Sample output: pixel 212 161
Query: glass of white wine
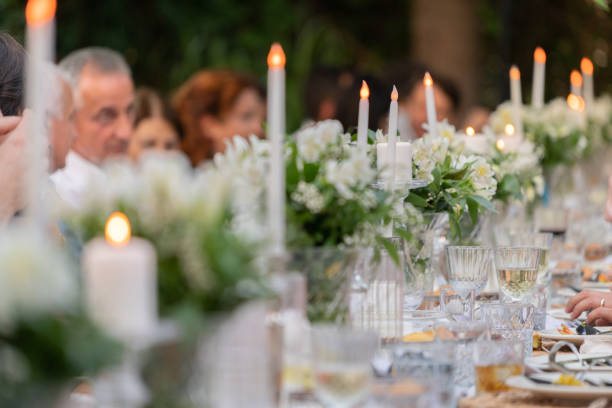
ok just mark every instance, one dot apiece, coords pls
pixel 342 364
pixel 517 270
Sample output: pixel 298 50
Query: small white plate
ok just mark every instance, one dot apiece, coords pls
pixel 586 392
pixel 601 286
pixel 576 339
pixel 541 362
pixel 561 314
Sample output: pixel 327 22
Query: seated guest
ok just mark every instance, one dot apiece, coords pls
pixel 409 80
pixel 13 132
pixel 153 130
pixel 103 92
pixel 323 91
pixel 214 106
pixel 12 68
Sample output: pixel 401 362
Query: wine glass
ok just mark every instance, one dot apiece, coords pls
pixel 517 270
pixel 468 270
pixel 342 364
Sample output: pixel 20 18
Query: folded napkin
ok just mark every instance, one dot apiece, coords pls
pixel 597 344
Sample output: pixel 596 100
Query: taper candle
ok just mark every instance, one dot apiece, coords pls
pixel 537 87
pixel 517 100
pixel 362 122
pixel 430 103
pixel 586 66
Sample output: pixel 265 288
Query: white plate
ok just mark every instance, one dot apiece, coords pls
pixel 576 339
pixel 562 391
pixel 561 314
pixel 541 362
pixel 601 286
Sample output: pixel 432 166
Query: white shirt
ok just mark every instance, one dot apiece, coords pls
pixel 72 182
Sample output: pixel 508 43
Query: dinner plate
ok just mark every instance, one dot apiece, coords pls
pixel 576 339
pixel 601 286
pixel 561 314
pixel 541 362
pixel 585 392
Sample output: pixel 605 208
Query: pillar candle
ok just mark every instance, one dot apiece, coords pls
pixel 517 100
pixel 276 135
pixel 40 43
pixel 586 66
pixel 403 160
pixel 539 68
pixel 430 104
pixel 362 122
pixel 120 282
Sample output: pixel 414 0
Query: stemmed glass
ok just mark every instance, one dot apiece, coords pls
pixel 468 270
pixel 517 270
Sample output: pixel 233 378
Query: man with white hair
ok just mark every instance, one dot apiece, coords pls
pixel 103 92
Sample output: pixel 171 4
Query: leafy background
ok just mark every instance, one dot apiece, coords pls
pixel 165 41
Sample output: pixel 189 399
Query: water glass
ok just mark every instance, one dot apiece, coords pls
pixel 496 361
pixel 468 271
pixel 517 270
pixel 341 363
pixel 510 321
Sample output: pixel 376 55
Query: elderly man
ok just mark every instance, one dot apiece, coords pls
pixel 103 91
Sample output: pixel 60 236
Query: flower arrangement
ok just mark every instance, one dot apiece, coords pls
pixel 459 184
pixel 46 339
pixel 202 263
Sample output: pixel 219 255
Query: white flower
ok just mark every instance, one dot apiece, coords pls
pixel 501 117
pixel 309 195
pixel 313 141
pixel 482 177
pixel 36 278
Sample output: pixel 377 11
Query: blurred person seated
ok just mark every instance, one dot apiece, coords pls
pixel 103 91
pixel 408 77
pixel 476 117
pixel 323 91
pixel 13 131
pixel 348 106
pixel 153 129
pixel 213 107
pixel 12 68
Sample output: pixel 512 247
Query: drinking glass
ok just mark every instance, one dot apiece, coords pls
pixel 496 361
pixel 341 362
pixel 468 270
pixel 517 270
pixel 510 321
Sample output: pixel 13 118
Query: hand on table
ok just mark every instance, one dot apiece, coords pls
pixel 591 300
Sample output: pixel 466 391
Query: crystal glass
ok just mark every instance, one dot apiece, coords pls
pixel 517 270
pixel 510 321
pixel 496 361
pixel 468 271
pixel 464 334
pixel 341 363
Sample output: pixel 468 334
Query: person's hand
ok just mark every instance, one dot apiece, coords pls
pixel 602 316
pixel 13 164
pixel 588 300
pixel 609 202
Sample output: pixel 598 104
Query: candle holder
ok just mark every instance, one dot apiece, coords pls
pixel 400 186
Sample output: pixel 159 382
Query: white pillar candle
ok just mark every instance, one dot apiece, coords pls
pixel 40 43
pixel 517 100
pixel 276 135
pixel 430 104
pixel 537 88
pixel 403 160
pixel 362 122
pixel 393 109
pixel 120 283
pixel 475 143
pixel 586 66
pixel 576 83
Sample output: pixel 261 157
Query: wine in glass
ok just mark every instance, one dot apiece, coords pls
pixel 468 270
pixel 517 270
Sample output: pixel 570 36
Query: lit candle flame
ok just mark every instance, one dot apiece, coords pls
pixel 39 12
pixel 364 93
pixel 509 129
pixel 470 131
pixel 576 78
pixel 575 102
pixel 539 55
pixel 515 74
pixel 394 94
pixel 276 57
pixel 427 81
pixel 586 66
pixel 118 230
pixel 500 144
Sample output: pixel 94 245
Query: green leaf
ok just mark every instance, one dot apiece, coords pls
pixel 310 172
pixel 416 200
pixel 483 202
pixel 390 248
pixel 473 209
pixel 603 4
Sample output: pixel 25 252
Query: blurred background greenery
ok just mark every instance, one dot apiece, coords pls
pixel 165 41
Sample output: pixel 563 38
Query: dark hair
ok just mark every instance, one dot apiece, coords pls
pixel 325 83
pixel 12 68
pixel 407 74
pixel 348 106
pixel 148 103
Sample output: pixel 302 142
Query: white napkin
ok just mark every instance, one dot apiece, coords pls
pixel 597 344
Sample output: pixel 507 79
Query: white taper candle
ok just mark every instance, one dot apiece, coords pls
pixel 539 73
pixel 362 122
